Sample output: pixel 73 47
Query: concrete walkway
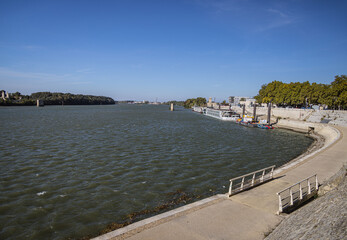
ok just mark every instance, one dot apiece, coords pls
pixel 247 215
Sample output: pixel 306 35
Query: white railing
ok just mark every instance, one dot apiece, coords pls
pixel 297 193
pixel 250 180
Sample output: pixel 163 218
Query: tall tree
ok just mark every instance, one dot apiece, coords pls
pixel 338 91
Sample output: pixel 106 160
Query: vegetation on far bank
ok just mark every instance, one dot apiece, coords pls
pixel 17 99
pixel 194 102
pixel 296 94
pixel 176 103
pixel 333 95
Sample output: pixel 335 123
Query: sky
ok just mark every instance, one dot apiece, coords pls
pixel 169 49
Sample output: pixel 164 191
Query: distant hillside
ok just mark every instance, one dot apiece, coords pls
pixel 17 99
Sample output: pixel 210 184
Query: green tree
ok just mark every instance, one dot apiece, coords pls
pixel 339 91
pixel 305 93
pixel 317 93
pixel 200 101
pixel 298 94
pixel 261 94
pixel 270 93
pixel 195 102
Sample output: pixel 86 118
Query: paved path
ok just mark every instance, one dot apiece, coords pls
pixel 247 215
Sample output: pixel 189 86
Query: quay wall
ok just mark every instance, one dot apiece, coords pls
pixel 292 113
pixel 329 133
pixel 332 117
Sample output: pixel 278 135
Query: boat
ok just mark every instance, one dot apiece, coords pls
pixel 248 124
pixel 251 121
pixel 248 121
pixel 198 109
pixel 222 115
pixel 265 126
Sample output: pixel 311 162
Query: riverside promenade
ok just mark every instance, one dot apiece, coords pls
pixel 250 214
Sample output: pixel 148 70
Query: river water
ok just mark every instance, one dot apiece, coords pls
pixel 68 171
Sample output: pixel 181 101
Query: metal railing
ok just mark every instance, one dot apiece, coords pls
pixel 250 180
pixel 297 193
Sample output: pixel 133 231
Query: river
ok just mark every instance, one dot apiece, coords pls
pixel 69 171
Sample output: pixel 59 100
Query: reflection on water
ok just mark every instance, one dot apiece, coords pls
pixel 69 171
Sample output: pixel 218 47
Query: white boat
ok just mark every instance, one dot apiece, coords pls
pixel 222 114
pixel 198 109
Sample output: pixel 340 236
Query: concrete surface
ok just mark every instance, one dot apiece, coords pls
pixel 247 215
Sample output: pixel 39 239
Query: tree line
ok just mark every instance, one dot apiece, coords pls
pixel 176 103
pixel 200 101
pixel 333 95
pixel 55 99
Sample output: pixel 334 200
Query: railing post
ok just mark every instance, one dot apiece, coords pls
pixel 291 196
pixel 279 204
pixel 272 173
pixel 300 191
pixel 262 177
pixel 253 179
pixel 309 186
pixel 230 187
pixel 316 183
pixel 243 180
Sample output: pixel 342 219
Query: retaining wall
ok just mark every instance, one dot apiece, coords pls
pixel 332 117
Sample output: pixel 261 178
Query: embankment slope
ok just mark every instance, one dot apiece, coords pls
pixel 323 218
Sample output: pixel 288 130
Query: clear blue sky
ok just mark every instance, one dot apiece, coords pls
pixel 177 49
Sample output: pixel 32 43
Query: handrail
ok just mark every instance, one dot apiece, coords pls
pixel 298 195
pixel 252 173
pixel 315 175
pixel 265 175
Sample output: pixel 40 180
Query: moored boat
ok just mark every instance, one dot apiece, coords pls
pixel 264 126
pixel 222 115
pixel 247 121
pixel 198 109
pixel 248 124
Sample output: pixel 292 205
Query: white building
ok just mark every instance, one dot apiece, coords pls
pixel 236 100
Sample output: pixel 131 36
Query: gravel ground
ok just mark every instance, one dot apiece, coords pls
pixel 324 218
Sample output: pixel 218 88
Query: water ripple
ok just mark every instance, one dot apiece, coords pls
pixel 67 172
